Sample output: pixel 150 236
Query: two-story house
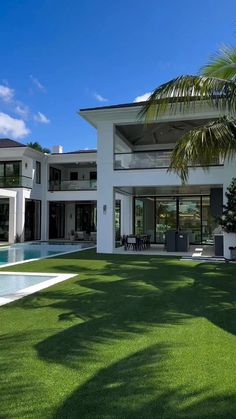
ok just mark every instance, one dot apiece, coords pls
pixel 133 160
pixel 124 187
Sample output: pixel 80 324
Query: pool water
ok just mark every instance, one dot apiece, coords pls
pixel 9 284
pixel 20 252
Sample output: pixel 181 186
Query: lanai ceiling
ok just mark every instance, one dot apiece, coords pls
pixel 158 133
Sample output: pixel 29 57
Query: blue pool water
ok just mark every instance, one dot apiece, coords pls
pixel 20 252
pixel 9 284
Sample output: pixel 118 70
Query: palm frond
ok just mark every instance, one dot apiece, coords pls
pixel 222 64
pixel 204 145
pixel 182 93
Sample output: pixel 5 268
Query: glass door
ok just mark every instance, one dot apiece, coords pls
pixel 4 219
pixel 144 216
pixel 56 220
pixel 165 217
pixel 86 217
pixel 32 219
pixel 189 215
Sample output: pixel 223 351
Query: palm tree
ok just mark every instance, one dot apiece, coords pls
pixel 215 86
pixel 36 146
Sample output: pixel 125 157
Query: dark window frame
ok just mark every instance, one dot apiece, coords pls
pixel 74 176
pixel 38 172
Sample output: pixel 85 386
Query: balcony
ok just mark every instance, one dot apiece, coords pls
pixel 15 182
pixel 145 160
pixel 72 185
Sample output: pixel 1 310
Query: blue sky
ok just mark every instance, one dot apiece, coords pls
pixel 58 56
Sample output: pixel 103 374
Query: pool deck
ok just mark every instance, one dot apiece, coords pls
pixel 195 252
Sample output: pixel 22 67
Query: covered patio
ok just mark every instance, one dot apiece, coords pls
pixel 194 252
pixel 189 212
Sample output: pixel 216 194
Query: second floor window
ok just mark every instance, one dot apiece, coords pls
pixel 38 172
pixel 10 169
pixel 73 175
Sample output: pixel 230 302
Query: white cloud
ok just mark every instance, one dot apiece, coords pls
pixel 22 110
pixel 40 117
pixel 37 83
pixel 100 98
pixel 143 97
pixel 12 127
pixel 6 93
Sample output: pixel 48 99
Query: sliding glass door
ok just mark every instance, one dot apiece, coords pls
pixel 56 220
pixel 165 217
pixel 189 217
pixel 32 219
pixel 144 216
pixel 4 219
pixel 190 214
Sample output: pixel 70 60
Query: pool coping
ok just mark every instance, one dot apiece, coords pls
pixel 56 279
pixel 5 265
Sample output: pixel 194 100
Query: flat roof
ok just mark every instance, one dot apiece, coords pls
pixel 122 105
pixel 174 99
pixel 75 152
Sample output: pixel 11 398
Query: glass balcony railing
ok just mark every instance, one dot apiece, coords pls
pixel 16 182
pixel 72 185
pixel 145 160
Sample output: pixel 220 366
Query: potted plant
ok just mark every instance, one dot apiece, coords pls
pixel 228 221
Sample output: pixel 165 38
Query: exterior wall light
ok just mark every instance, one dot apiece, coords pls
pixel 104 209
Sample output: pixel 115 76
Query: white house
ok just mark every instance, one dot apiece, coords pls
pixel 132 161
pixel 122 188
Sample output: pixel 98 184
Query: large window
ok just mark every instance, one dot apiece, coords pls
pixel 32 219
pixel 4 219
pixel 56 220
pixel 156 215
pixel 86 217
pixel 10 168
pixel 38 172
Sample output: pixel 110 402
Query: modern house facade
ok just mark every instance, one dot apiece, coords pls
pixel 133 160
pixel 121 188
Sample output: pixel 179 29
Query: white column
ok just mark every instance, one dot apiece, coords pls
pixel 20 211
pixel 12 220
pixel 126 215
pixel 105 190
pixel 45 204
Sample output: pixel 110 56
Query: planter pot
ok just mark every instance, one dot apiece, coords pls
pixel 229 241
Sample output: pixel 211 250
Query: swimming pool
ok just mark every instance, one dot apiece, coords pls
pixel 27 251
pixel 16 285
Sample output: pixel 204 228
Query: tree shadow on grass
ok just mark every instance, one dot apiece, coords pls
pixel 117 306
pixel 117 300
pixel 19 392
pixel 141 386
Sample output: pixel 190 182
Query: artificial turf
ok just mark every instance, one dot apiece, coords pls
pixel 129 337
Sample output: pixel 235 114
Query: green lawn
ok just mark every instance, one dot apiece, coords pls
pixel 129 337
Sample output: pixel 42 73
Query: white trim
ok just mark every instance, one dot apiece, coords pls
pixel 44 257
pixel 57 278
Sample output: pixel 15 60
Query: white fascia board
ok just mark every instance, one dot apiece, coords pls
pixel 72 158
pixel 72 196
pixel 130 115
pixel 34 154
pixel 116 115
pixel 19 152
pixel 13 153
pixel 6 193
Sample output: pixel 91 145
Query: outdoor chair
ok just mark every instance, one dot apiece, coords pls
pixel 131 243
pixel 80 235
